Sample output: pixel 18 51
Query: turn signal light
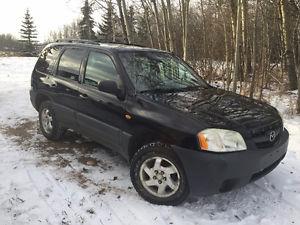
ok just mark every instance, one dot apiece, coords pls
pixel 203 141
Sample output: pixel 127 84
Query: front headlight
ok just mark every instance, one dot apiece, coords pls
pixel 219 140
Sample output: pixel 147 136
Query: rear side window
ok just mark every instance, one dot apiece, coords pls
pixel 70 62
pixel 47 59
pixel 100 67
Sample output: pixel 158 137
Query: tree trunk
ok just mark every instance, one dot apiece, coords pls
pixel 128 30
pixel 170 25
pixel 298 100
pixel 237 54
pixel 246 56
pixel 166 28
pixel 233 6
pixel 287 36
pixel 204 56
pixel 297 60
pixel 184 20
pixel 146 13
pixel 252 89
pixel 281 44
pixel 159 34
pixel 226 42
pixel 122 22
pixel 113 21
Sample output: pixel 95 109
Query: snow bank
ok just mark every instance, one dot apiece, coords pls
pixel 50 183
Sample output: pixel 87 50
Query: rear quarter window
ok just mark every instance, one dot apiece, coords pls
pixel 47 59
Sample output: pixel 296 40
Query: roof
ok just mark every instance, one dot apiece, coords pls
pixel 112 47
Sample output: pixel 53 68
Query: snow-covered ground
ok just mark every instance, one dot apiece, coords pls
pixel 78 182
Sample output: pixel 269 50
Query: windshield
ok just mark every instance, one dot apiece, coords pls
pixel 158 71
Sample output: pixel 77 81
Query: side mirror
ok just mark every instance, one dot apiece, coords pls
pixel 110 87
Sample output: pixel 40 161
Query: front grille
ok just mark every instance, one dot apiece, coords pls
pixel 267 144
pixel 262 135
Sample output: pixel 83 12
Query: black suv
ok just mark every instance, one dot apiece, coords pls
pixel 179 134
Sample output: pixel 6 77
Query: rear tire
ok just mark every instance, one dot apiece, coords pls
pixel 49 124
pixel 158 175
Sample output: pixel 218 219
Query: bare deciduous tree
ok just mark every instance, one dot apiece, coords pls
pixel 170 26
pixel 287 27
pixel 158 25
pixel 237 54
pixel 185 4
pixel 252 88
pixel 122 19
pixel 255 43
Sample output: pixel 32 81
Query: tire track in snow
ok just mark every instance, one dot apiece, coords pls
pixel 71 213
pixel 278 195
pixel 34 184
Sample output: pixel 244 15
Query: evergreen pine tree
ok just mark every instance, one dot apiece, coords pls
pixel 28 31
pixel 87 23
pixel 107 33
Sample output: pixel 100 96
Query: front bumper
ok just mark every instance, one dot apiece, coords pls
pixel 211 173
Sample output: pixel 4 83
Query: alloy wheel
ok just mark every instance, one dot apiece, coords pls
pixel 160 177
pixel 47 120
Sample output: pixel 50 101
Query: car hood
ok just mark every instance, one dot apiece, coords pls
pixel 219 108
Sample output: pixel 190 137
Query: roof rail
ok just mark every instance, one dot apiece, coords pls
pixel 84 41
pixel 121 43
pixel 81 41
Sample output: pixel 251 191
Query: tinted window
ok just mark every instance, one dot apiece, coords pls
pixel 99 67
pixel 47 59
pixel 70 62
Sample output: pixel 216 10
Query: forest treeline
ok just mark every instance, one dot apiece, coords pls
pixel 249 45
pixel 8 41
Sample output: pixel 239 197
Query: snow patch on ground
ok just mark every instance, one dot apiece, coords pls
pixel 45 182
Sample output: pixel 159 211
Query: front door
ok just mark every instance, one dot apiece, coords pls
pixel 100 115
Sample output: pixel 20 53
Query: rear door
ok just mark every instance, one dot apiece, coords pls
pixel 100 115
pixel 66 86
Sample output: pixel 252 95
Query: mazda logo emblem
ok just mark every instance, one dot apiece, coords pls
pixel 272 136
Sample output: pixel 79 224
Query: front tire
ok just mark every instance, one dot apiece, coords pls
pixel 49 124
pixel 158 175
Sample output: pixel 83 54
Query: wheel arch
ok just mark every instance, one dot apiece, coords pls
pixel 39 99
pixel 147 137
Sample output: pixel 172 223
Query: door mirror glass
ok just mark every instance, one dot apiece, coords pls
pixel 109 86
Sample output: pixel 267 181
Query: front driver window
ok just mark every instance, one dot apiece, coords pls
pixel 99 67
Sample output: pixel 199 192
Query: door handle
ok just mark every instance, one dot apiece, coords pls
pixel 83 96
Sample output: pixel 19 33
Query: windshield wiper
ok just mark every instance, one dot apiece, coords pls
pixel 159 90
pixel 172 90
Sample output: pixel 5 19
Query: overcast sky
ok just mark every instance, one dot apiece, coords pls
pixel 48 15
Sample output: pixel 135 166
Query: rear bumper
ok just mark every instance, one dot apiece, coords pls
pixel 211 173
pixel 33 98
